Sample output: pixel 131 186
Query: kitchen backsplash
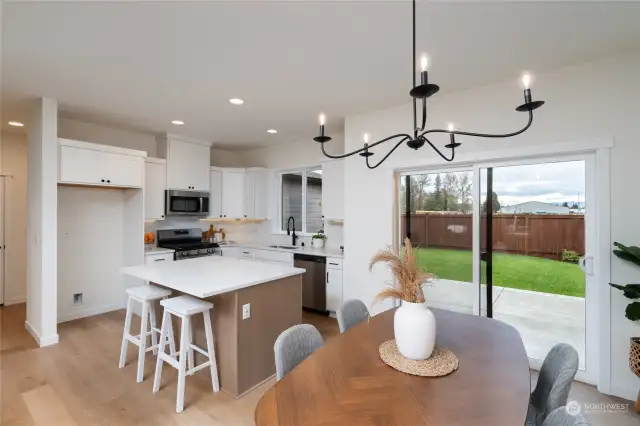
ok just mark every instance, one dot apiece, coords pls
pixel 248 232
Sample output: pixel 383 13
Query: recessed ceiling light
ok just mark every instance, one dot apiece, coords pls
pixel 16 124
pixel 178 122
pixel 272 131
pixel 236 101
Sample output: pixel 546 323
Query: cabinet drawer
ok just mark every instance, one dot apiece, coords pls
pixel 273 256
pixel 151 259
pixel 334 263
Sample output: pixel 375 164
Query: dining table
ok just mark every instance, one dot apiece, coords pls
pixel 345 382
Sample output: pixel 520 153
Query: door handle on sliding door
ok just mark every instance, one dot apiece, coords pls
pixel 586 264
pixel 484 256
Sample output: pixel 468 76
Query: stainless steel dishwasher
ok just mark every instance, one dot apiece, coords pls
pixel 314 285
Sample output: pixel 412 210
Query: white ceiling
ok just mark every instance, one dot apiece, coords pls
pixel 140 65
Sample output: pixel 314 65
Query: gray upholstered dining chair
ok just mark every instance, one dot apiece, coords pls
pixel 554 383
pixel 351 312
pixel 294 345
pixel 560 417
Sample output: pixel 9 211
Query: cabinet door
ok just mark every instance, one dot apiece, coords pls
pixel 231 251
pixel 124 170
pixel 79 165
pixel 233 194
pixel 188 166
pixel 155 183
pixel 215 199
pixel 255 204
pixel 333 189
pixel 334 289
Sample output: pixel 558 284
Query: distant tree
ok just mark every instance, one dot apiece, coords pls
pixel 565 204
pixel 435 199
pixel 575 206
pixel 449 199
pixel 463 192
pixel 495 204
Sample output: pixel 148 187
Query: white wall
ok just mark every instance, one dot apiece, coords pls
pixel 14 163
pixel 89 132
pixel 90 250
pixel 42 222
pixel 298 154
pixel 584 102
pixel 225 158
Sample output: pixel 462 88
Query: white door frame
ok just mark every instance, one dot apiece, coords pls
pixel 599 150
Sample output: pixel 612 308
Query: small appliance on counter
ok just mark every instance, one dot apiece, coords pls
pixel 187 243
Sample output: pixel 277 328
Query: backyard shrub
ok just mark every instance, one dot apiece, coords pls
pixel 570 256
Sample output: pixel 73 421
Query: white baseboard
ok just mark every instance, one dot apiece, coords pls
pixel 15 300
pixel 43 341
pixel 624 393
pixel 89 312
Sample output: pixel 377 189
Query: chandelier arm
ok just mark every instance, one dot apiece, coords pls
pixel 424 114
pixel 483 135
pixel 453 150
pixel 349 154
pixel 388 153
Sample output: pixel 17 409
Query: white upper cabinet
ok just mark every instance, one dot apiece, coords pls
pixel 215 199
pixel 233 193
pixel 155 183
pixel 255 193
pixel 124 170
pixel 86 163
pixel 188 164
pixel 333 189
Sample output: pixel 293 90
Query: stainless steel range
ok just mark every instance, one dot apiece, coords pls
pixel 187 243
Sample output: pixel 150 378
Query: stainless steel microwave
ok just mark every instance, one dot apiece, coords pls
pixel 186 203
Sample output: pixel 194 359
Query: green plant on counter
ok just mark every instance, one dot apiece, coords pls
pixel 570 256
pixel 318 236
pixel 630 291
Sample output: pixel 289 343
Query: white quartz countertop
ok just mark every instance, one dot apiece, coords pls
pixel 158 250
pixel 211 275
pixel 325 252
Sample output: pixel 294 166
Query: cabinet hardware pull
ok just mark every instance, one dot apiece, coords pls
pixel 159 260
pixel 102 180
pixel 108 181
pixel 330 263
pixel 327 277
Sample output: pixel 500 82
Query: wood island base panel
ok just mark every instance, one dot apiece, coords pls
pixel 244 347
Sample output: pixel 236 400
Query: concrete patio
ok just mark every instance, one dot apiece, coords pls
pixel 542 319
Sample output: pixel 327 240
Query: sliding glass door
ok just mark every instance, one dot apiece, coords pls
pixel 511 241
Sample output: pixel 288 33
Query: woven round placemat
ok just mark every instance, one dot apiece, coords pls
pixel 441 362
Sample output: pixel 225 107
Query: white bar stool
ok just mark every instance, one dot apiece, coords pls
pixel 145 295
pixel 184 307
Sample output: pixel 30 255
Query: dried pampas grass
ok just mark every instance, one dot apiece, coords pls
pixel 409 276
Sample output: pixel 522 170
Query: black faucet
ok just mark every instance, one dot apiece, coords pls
pixel 294 237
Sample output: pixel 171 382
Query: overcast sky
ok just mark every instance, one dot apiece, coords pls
pixel 549 183
pixel 552 183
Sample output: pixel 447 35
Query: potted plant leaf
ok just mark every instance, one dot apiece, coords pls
pixel 317 240
pixel 632 312
pixel 414 325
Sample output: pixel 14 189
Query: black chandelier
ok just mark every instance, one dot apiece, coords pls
pixel 423 91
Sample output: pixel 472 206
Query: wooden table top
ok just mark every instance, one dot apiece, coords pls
pixel 346 383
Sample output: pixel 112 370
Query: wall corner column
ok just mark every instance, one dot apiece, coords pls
pixel 42 222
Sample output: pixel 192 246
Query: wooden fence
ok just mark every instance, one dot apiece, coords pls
pixel 533 235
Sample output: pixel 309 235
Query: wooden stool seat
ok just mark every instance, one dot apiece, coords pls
pixel 184 307
pixel 146 295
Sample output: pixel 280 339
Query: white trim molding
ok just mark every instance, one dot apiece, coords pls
pixel 43 341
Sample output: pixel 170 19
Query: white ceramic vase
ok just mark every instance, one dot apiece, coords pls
pixel 414 327
pixel 317 242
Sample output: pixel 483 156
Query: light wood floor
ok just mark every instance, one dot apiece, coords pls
pixel 77 382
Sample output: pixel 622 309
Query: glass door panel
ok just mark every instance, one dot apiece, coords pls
pixel 532 234
pixel 440 223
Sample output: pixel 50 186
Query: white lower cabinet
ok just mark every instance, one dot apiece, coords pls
pixel 334 283
pixel 273 256
pixel 232 251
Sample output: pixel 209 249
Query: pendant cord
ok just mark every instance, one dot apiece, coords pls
pixel 413 72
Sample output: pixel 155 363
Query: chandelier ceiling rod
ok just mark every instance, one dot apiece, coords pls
pixel 418 139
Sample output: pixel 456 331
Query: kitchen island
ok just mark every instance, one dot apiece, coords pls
pixel 244 347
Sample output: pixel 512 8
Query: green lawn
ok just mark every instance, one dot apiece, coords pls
pixel 509 270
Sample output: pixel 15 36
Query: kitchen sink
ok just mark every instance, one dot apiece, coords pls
pixel 284 247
